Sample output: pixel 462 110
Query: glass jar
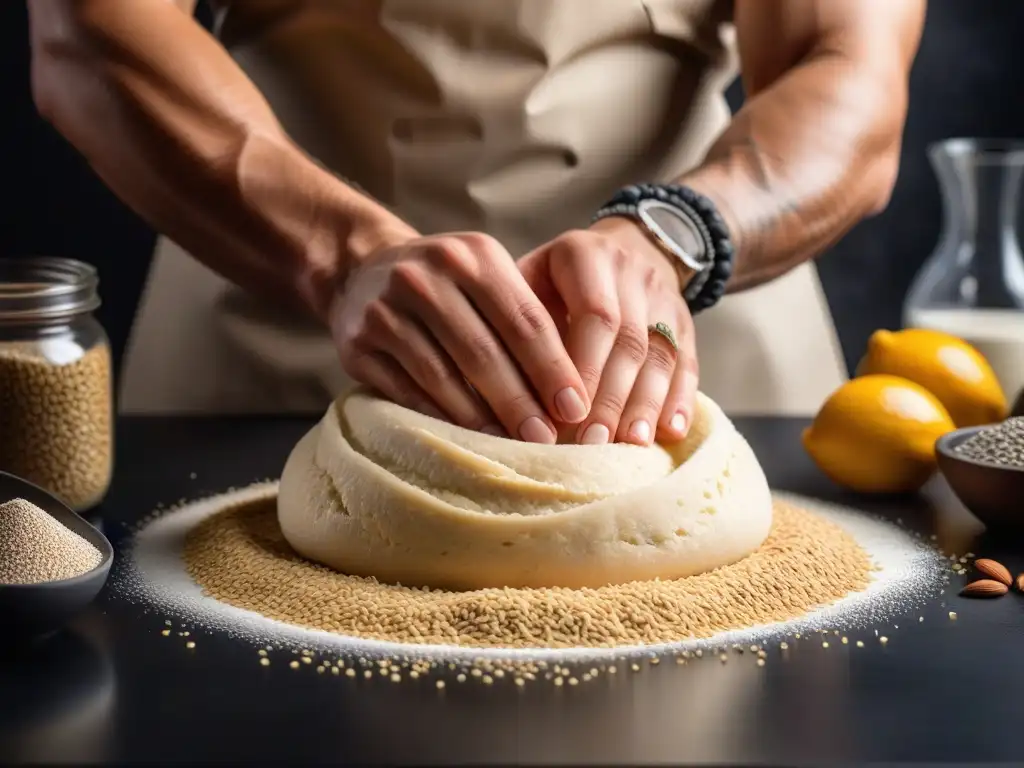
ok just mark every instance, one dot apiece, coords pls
pixel 972 286
pixel 56 392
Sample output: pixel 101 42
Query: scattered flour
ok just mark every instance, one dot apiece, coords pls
pixel 909 572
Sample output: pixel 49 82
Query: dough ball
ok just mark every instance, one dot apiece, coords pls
pixel 377 490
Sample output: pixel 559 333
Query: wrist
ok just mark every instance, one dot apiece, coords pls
pixel 343 241
pixel 634 238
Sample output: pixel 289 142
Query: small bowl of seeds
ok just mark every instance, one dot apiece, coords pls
pixel 985 468
pixel 53 563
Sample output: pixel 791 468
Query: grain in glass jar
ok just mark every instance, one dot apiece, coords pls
pixel 56 393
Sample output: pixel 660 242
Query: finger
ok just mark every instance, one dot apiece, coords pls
pixel 642 412
pixel 680 403
pixel 629 352
pixel 534 269
pixel 481 359
pixel 526 328
pixel 428 365
pixel 587 284
pixel 383 373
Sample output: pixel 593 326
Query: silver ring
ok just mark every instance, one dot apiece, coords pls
pixel 663 330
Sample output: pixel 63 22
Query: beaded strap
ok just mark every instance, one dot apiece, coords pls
pixel 707 287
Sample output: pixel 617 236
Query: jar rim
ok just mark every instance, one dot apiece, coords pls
pixel 990 149
pixel 46 288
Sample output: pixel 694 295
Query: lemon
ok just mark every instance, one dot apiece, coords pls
pixel 877 433
pixel 947 366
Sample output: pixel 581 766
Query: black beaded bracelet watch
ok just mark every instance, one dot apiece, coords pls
pixel 688 228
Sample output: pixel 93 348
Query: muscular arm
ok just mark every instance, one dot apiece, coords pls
pixel 815 148
pixel 173 126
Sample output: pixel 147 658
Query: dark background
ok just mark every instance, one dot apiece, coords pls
pixel 965 83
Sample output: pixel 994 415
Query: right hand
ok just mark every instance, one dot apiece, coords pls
pixel 447 325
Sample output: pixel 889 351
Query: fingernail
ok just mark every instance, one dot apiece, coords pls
pixel 493 429
pixel 534 430
pixel 570 405
pixel 595 434
pixel 678 423
pixel 640 430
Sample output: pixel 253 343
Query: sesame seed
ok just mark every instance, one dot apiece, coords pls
pixel 190 644
pixel 34 546
pixel 265 662
pixel 223 555
pixel 57 434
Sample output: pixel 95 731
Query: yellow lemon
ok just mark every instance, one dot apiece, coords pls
pixel 948 367
pixel 876 434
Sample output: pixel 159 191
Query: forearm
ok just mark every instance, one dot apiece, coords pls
pixel 176 130
pixel 802 162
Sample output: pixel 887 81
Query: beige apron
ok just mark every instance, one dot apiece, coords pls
pixel 513 117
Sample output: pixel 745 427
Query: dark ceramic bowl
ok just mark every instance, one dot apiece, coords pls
pixel 1018 406
pixel 993 494
pixel 28 611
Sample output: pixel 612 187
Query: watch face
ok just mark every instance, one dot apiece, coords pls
pixel 674 229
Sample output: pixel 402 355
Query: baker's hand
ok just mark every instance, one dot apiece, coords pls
pixel 447 325
pixel 606 286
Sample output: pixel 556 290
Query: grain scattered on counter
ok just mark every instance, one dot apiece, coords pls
pixel 35 547
pixel 239 557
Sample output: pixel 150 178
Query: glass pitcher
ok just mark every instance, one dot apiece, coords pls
pixel 972 286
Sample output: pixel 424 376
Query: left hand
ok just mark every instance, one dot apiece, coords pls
pixel 605 286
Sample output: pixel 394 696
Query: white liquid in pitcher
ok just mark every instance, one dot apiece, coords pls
pixel 998 334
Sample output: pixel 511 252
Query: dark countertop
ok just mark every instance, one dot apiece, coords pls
pixel 111 688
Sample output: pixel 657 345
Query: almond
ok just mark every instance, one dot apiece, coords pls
pixel 1020 583
pixel 993 570
pixel 984 588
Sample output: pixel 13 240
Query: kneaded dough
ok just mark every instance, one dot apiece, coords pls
pixel 377 490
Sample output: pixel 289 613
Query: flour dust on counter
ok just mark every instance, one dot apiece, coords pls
pixel 172 568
